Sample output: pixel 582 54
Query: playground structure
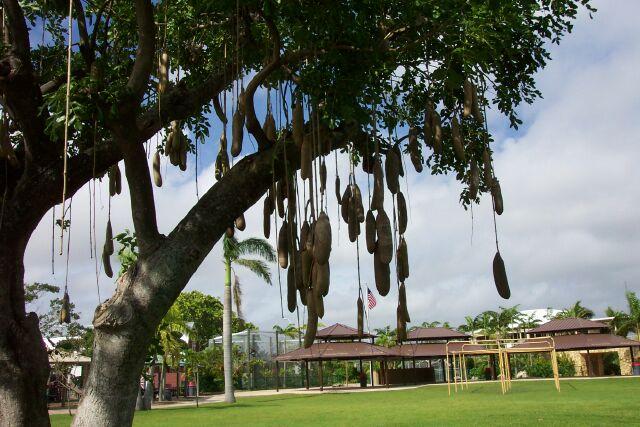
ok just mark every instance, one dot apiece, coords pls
pixel 500 348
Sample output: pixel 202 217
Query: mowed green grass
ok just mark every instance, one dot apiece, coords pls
pixel 613 402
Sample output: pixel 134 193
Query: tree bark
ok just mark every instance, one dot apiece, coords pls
pixel 227 345
pixel 24 365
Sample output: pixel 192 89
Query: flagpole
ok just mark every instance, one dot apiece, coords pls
pixel 369 332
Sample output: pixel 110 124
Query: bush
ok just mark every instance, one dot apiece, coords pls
pixel 479 366
pixel 611 364
pixel 566 368
pixel 539 367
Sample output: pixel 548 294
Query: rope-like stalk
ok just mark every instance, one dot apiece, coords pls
pixel 66 124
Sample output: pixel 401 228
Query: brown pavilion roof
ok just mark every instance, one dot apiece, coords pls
pixel 569 324
pixel 338 331
pixel 583 342
pixel 336 351
pixel 432 349
pixel 439 333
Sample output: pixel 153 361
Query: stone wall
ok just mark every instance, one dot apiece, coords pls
pixel 581 363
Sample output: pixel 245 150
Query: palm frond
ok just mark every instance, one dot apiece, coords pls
pixel 257 267
pixel 634 304
pixel 257 247
pixel 230 248
pixel 237 296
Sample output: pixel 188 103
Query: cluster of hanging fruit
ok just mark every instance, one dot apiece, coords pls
pixel 379 231
pixel 177 146
pixel 115 187
pixel 433 136
pixel 306 258
pixel 65 310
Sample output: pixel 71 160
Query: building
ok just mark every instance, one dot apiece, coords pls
pixel 588 343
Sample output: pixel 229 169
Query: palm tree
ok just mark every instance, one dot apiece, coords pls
pixel 233 251
pixel 386 336
pixel 486 321
pixel 624 323
pixel 169 335
pixel 470 326
pixel 433 324
pixel 507 319
pixel 577 310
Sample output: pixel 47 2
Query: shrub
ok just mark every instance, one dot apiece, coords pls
pixel 566 368
pixel 539 367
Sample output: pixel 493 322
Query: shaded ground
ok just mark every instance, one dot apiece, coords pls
pixel 581 402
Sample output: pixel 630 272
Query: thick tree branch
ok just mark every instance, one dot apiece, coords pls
pixel 143 210
pixel 34 196
pixel 86 48
pixel 146 48
pixel 251 177
pixel 18 31
pixel 17 83
pixel 252 123
pixel 181 102
pixel 96 26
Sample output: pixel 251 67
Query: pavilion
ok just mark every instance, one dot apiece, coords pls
pixel 428 345
pixel 585 342
pixel 337 342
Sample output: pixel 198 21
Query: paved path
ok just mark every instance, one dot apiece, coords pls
pixel 219 398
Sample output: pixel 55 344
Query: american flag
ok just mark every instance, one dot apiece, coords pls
pixel 371 299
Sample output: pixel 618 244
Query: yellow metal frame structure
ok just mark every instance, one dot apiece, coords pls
pixel 501 348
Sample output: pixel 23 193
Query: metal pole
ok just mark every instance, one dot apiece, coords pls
pixel 197 387
pixel 386 373
pixel 277 370
pixel 306 369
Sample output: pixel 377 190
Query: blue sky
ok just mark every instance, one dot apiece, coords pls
pixel 570 230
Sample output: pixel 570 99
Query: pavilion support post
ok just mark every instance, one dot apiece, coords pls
pixel 455 374
pixel 277 376
pixel 554 365
pixel 346 373
pixel 371 371
pixel 413 365
pixel 404 373
pixel 386 373
pixel 320 374
pixel 306 371
pixel 447 374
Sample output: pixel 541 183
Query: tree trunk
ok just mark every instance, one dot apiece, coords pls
pixel 227 345
pixel 24 365
pixel 113 383
pixel 124 326
pixel 162 380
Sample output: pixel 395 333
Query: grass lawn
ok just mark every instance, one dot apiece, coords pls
pixel 581 402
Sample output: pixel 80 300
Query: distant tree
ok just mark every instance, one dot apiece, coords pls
pixel 625 323
pixel 168 336
pixel 204 312
pixel 577 310
pixel 386 336
pixel 486 321
pixel 470 326
pixel 50 325
pixel 290 330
